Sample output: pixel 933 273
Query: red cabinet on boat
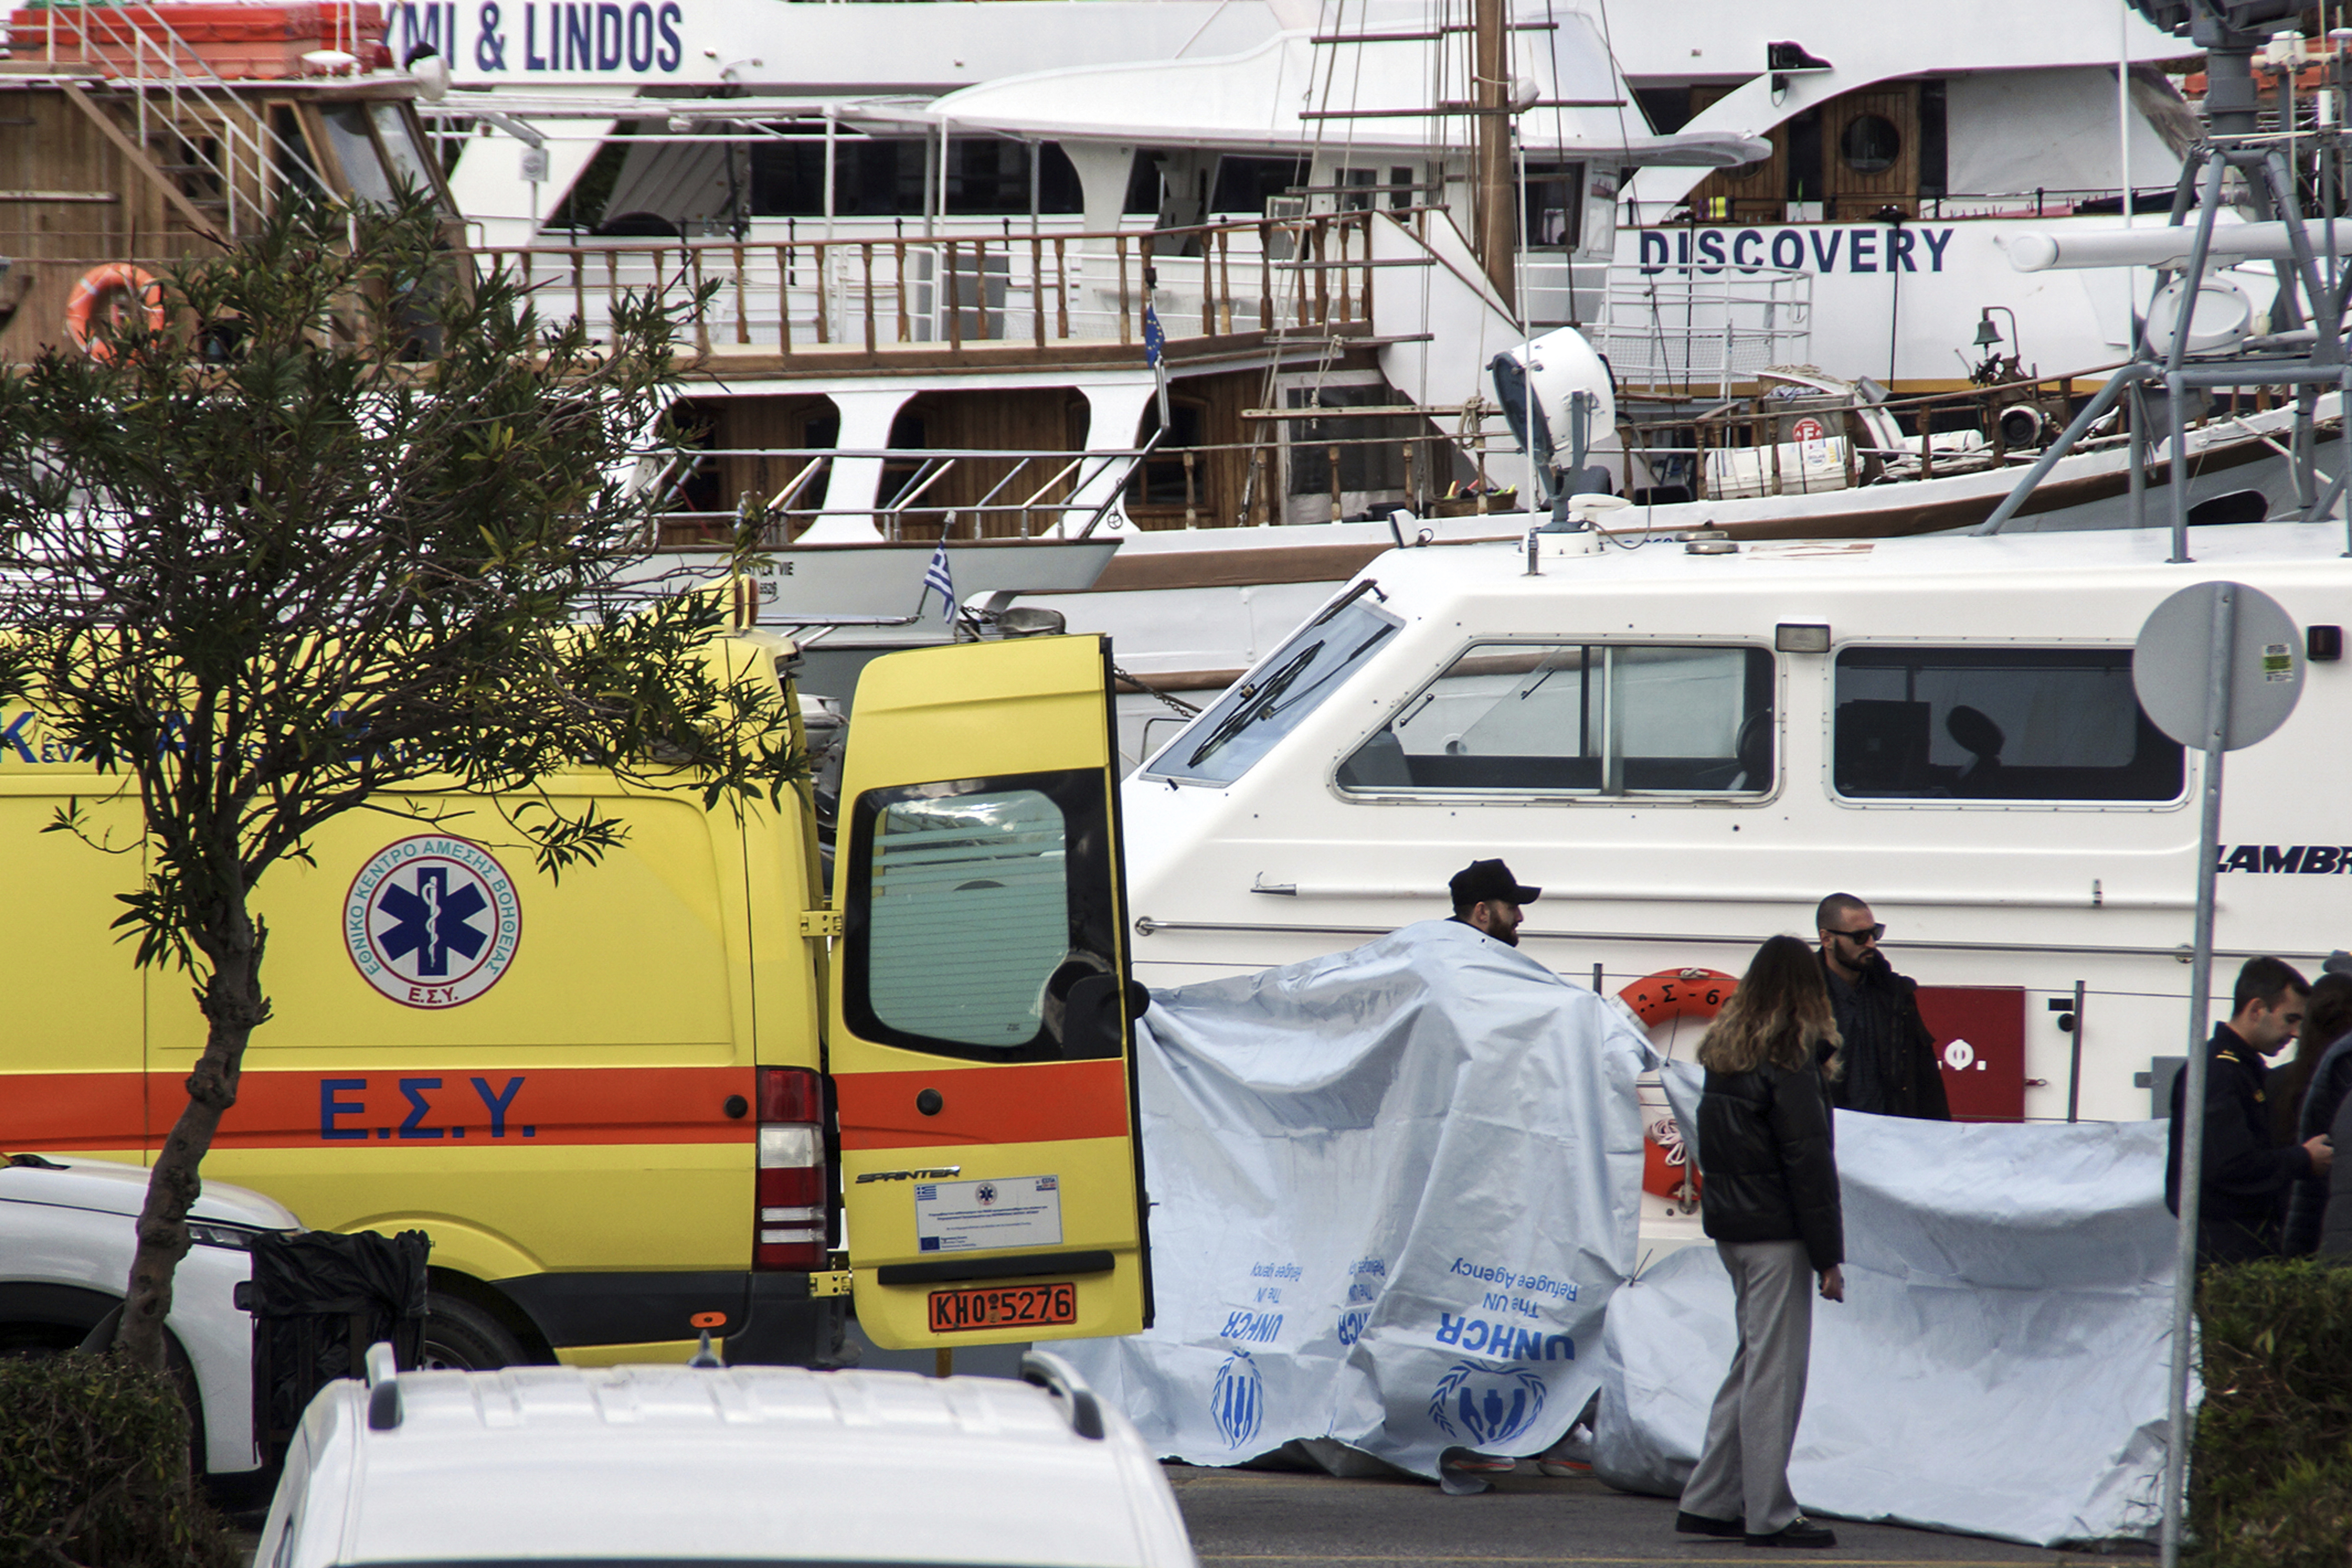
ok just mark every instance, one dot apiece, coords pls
pixel 1980 1034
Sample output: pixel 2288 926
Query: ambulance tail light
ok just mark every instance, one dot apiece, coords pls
pixel 790 1094
pixel 790 1186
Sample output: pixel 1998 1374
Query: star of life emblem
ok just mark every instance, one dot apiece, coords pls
pixel 432 921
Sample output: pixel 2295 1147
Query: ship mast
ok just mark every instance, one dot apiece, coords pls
pixel 1491 111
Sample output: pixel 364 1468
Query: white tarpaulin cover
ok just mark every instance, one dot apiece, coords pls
pixel 1998 1364
pixel 1392 1192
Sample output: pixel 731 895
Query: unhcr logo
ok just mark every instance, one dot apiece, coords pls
pixel 1257 1328
pixel 1237 1402
pixel 1487 1406
pixel 1503 1341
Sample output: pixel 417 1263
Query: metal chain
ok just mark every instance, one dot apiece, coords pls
pixel 1177 703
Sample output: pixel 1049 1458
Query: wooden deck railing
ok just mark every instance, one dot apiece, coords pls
pixel 870 295
pixel 873 295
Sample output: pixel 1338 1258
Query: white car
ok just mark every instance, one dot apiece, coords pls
pixel 68 1231
pixel 748 1464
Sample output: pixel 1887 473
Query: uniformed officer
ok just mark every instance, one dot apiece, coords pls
pixel 2242 1191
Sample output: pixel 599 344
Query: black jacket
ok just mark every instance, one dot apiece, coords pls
pixel 1891 1066
pixel 2246 1178
pixel 2330 1085
pixel 2334 1223
pixel 1769 1160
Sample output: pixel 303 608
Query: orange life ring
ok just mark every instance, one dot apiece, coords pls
pixel 1678 994
pixel 1655 998
pixel 110 292
pixel 1666 1169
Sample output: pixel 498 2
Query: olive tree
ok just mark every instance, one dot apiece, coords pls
pixel 354 531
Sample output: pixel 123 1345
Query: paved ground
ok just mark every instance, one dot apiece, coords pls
pixel 1274 1519
pixel 1265 1519
pixel 1258 1519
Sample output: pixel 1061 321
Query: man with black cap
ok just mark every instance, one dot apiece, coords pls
pixel 1487 898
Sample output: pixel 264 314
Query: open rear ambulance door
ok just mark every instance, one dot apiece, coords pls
pixel 981 1041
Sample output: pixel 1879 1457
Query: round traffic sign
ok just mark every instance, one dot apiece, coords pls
pixel 2171 665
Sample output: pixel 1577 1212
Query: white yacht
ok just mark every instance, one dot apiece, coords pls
pixel 1908 145
pixel 1901 147
pixel 937 244
pixel 934 305
pixel 942 282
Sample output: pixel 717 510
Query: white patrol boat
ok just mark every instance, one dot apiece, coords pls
pixel 1687 744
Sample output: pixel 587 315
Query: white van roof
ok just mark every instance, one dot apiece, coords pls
pixel 748 1464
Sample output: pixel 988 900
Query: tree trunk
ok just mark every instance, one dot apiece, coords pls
pixel 233 1007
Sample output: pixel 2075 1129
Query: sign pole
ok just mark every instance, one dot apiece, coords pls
pixel 2218 667
pixel 2218 688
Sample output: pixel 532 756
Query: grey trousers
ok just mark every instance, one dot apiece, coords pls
pixel 1743 1470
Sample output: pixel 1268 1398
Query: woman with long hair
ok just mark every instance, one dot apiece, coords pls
pixel 2307 1094
pixel 1768 1197
pixel 2327 1017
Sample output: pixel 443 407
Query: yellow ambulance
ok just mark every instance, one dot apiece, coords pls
pixel 680 1091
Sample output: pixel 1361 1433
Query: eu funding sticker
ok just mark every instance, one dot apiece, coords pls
pixel 989 1216
pixel 432 921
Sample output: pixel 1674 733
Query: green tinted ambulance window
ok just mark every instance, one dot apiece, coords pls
pixel 970 915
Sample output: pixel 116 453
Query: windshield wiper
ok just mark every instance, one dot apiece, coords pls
pixel 1256 702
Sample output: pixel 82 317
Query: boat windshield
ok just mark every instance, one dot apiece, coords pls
pixel 1269 702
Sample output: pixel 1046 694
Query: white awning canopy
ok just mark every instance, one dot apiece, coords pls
pixel 1295 96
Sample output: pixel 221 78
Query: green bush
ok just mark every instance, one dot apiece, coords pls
pixel 94 1469
pixel 2271 1472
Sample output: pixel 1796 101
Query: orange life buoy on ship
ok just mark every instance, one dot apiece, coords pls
pixel 1655 998
pixel 112 293
pixel 1678 994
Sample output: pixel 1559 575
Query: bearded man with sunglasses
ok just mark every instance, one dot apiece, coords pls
pixel 1891 1066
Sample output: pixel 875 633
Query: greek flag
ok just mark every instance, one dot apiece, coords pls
pixel 936 575
pixel 1155 339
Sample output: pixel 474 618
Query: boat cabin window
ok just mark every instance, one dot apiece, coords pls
pixel 1244 185
pixel 1555 201
pixel 2006 723
pixel 979 919
pixel 407 160
pixel 1870 144
pixel 1269 702
pixel 1580 719
pixel 881 176
pixel 355 149
pixel 298 168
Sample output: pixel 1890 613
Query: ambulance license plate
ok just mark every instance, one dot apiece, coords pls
pixel 1003 1307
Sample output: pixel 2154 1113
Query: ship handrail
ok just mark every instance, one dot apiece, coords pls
pixel 1146 926
pixel 2093 898
pixel 159 60
pixel 877 292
